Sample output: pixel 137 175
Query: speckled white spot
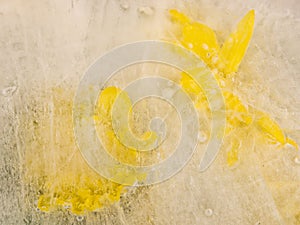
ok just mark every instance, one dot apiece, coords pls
pixel 146 10
pixel 215 59
pixel 208 212
pixel 124 5
pixel 79 218
pixel 205 46
pixel 202 137
pixel 191 45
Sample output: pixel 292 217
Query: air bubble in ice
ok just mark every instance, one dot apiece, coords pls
pixel 79 218
pixel 9 91
pixel 208 212
pixel 205 46
pixel 146 10
pixel 124 5
pixel 66 206
pixel 215 59
pixel 202 137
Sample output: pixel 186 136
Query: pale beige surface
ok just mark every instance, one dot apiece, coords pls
pixel 51 43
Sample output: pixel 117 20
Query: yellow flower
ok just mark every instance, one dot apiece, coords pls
pixel 224 62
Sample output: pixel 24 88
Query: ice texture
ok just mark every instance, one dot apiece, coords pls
pixel 48 45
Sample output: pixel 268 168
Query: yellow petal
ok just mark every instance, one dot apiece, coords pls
pixel 269 126
pixel 189 85
pixel 234 48
pixel 292 143
pixel 195 92
pixel 232 155
pixel 236 112
pixel 198 37
pixel 178 16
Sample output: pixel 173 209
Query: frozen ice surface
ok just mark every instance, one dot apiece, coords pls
pixel 46 45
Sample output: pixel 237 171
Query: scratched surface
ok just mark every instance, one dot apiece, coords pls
pixel 50 44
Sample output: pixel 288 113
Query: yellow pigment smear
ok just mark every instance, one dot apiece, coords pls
pixel 224 62
pixel 66 181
